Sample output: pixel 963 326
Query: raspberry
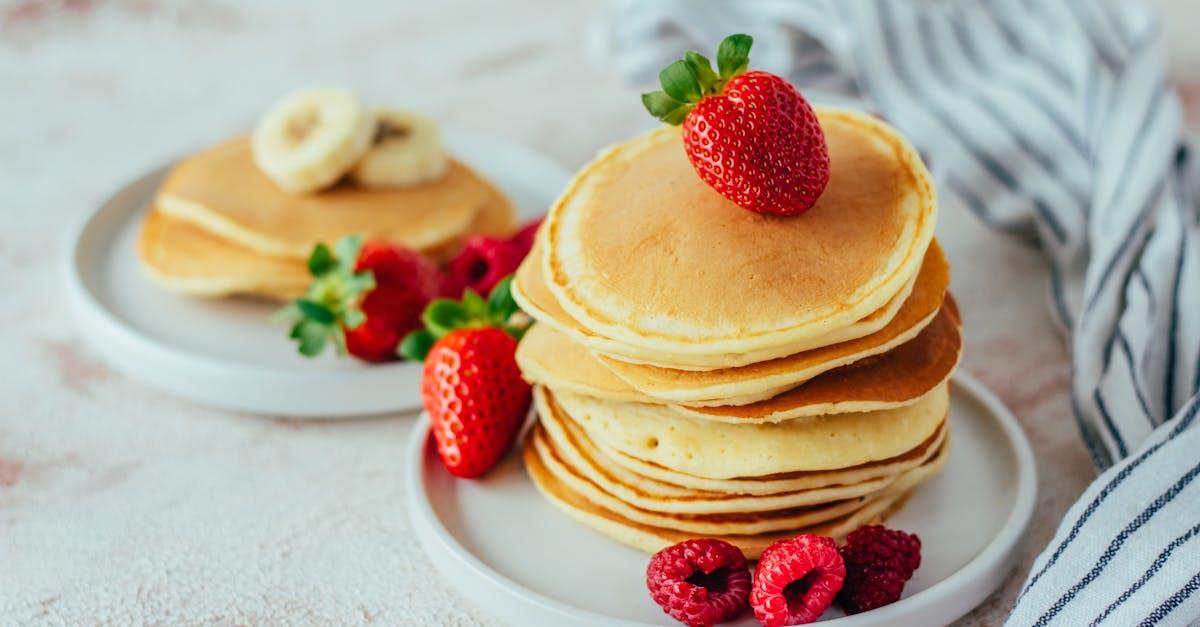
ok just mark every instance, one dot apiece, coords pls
pixel 796 580
pixel 699 582
pixel 879 561
pixel 483 262
pixel 523 239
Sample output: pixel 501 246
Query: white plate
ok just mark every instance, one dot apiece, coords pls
pixel 227 353
pixel 503 546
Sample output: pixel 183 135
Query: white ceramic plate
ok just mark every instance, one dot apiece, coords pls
pixel 507 549
pixel 226 352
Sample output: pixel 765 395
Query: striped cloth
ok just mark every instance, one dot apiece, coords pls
pixel 1050 120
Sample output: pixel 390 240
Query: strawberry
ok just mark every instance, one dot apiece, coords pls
pixel 471 386
pixel 364 297
pixel 750 135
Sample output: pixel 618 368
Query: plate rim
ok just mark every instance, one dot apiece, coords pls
pixel 998 554
pixel 129 349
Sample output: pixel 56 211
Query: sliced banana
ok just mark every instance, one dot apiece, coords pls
pixel 310 139
pixel 407 151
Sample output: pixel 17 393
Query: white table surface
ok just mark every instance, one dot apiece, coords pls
pixel 119 504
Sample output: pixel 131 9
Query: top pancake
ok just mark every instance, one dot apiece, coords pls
pixel 223 192
pixel 641 250
pixel 531 292
pixel 182 257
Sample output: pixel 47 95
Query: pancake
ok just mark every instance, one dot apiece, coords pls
pixel 548 357
pixel 701 275
pixel 650 538
pixel 893 379
pixel 186 259
pixel 653 479
pixel 717 450
pixel 758 381
pixel 736 523
pixel 221 191
pixel 183 258
pixel 497 217
pixel 675 500
pixel 530 290
pixel 771 484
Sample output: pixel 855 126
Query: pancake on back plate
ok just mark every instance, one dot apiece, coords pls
pixel 222 191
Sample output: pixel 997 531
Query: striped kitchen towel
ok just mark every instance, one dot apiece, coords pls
pixel 1052 121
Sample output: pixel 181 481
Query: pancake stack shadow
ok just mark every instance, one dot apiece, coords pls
pixel 702 371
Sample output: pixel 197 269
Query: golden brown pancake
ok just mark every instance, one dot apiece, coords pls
pixel 221 191
pixel 718 450
pixel 639 249
pixel 530 290
pixel 652 478
pixel 186 259
pixel 650 538
pixel 737 523
pixel 892 379
pixel 757 381
pixel 654 496
pixel 498 217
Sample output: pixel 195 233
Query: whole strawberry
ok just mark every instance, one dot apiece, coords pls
pixel 471 386
pixel 364 298
pixel 750 135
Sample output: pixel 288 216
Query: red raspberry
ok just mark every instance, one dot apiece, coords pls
pixel 879 561
pixel 699 582
pixel 483 262
pixel 523 239
pixel 796 580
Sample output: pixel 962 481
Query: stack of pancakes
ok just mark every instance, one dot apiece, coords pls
pixel 702 370
pixel 219 226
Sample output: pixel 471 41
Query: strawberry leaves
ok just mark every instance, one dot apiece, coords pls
pixel 733 55
pixel 445 315
pixel 686 82
pixel 331 303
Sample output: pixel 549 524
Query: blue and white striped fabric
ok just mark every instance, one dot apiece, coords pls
pixel 1052 121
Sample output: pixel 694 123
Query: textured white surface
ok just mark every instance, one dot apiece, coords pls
pixel 121 505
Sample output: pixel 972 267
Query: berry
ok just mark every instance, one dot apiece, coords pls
pixel 750 135
pixel 365 298
pixel 523 239
pixel 868 589
pixel 796 580
pixel 484 260
pixel 475 397
pixel 471 386
pixel 405 282
pixel 372 341
pixel 879 561
pixel 699 582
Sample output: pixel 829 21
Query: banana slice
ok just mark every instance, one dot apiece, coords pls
pixel 310 139
pixel 407 151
